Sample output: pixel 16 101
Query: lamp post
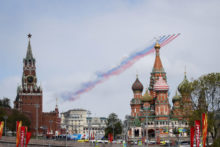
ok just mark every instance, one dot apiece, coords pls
pixel 50 122
pixel 5 118
pixel 147 130
pixel 169 130
pixel 37 106
pixel 66 137
pixel 127 128
pixel 175 131
pixel 113 127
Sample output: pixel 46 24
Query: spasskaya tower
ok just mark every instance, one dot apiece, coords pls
pixel 29 94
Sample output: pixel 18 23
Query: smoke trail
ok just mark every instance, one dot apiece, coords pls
pixel 124 64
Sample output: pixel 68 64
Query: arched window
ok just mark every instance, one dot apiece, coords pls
pixel 136 132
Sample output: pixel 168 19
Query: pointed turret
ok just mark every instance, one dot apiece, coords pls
pixel 157 70
pixel 29 55
pixel 158 67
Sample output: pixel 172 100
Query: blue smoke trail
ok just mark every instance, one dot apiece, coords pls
pixel 125 63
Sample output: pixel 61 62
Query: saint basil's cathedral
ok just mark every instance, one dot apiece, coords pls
pixel 151 114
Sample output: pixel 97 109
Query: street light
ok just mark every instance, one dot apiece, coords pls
pixel 5 118
pixel 37 106
pixel 175 131
pixel 169 130
pixel 66 138
pixel 147 130
pixel 50 122
pixel 113 127
pixel 127 128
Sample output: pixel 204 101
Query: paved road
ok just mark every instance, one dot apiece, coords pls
pixel 10 142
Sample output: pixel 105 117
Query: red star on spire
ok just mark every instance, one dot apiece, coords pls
pixel 29 35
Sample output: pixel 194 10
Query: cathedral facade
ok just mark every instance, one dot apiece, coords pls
pixel 151 114
pixel 29 99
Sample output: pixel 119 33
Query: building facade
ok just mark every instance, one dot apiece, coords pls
pixel 77 121
pixel 29 99
pixel 95 127
pixel 74 121
pixel 151 114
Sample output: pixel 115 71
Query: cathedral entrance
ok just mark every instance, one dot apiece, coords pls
pixel 136 132
pixel 151 133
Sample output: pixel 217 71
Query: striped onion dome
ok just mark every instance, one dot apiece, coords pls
pixel 137 86
pixel 161 85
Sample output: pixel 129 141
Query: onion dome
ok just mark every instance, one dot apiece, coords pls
pixel 137 86
pixel 147 97
pixel 161 85
pixel 176 97
pixel 157 45
pixel 185 86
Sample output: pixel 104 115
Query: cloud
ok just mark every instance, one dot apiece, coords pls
pixel 71 41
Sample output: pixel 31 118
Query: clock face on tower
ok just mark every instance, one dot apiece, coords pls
pixel 30 79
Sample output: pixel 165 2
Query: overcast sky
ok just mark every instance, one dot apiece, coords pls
pixel 74 39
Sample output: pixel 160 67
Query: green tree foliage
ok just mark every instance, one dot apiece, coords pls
pixel 17 116
pixel 2 114
pixel 206 92
pixel 206 99
pixel 5 102
pixel 113 122
pixel 216 143
pixel 13 115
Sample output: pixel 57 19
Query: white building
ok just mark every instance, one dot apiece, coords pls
pixel 95 126
pixel 76 121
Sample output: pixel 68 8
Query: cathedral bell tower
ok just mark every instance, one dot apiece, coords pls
pixel 29 94
pixel 157 70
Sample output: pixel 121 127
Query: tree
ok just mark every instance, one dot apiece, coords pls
pixel 2 114
pixel 5 102
pixel 114 125
pixel 17 116
pixel 206 99
pixel 13 116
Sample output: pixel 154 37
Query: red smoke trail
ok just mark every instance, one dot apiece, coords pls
pixel 171 39
pixel 121 68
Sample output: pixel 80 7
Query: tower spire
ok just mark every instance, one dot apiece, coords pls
pixel 56 103
pixel 29 54
pixel 158 67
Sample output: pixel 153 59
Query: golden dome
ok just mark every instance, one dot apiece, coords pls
pixel 147 97
pixel 157 45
